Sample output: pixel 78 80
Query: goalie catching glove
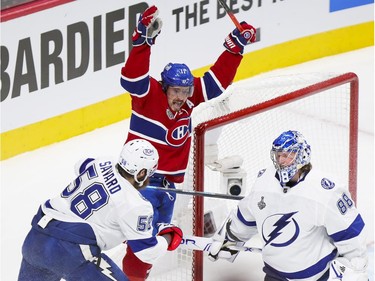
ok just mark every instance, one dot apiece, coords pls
pixel 236 40
pixel 224 244
pixel 148 28
pixel 174 233
pixel 344 270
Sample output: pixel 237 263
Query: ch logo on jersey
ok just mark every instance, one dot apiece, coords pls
pixel 179 133
pixel 280 230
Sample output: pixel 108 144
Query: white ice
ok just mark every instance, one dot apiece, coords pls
pixel 29 179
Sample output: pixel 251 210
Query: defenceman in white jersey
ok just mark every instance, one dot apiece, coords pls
pixel 99 210
pixel 308 223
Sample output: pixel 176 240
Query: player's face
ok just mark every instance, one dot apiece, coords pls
pixel 141 176
pixel 177 96
pixel 285 159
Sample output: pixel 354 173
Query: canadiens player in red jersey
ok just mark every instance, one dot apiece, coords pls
pixel 161 112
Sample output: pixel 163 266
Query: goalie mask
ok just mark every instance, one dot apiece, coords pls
pixel 294 147
pixel 137 155
pixel 178 75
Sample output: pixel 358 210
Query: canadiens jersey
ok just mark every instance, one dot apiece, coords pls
pixel 151 118
pixel 302 228
pixel 114 209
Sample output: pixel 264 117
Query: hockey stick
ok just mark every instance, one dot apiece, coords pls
pixel 197 193
pixel 204 244
pixel 231 15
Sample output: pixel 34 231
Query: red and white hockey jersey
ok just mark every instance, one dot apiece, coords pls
pixel 150 120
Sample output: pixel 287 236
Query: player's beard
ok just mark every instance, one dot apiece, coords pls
pixel 145 183
pixel 177 104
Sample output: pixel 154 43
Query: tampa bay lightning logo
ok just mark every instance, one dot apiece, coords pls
pixel 280 230
pixel 327 184
pixel 179 133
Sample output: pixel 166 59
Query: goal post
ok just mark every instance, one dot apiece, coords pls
pixel 347 78
pixel 240 125
pixel 201 129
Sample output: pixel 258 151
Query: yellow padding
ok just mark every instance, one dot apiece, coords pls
pixel 65 126
pixel 306 49
pixel 118 108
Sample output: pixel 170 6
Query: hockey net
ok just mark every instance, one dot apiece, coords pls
pixel 243 123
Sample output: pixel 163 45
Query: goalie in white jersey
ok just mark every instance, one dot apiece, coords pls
pixel 99 210
pixel 308 224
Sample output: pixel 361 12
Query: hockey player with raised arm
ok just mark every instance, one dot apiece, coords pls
pixel 307 222
pixel 99 210
pixel 161 111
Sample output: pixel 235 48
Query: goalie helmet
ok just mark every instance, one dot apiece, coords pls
pixel 179 75
pixel 136 155
pixel 290 142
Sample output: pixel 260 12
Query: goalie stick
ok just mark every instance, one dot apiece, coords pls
pixel 231 15
pixel 197 193
pixel 204 244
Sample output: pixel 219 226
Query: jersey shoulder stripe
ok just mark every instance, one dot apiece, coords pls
pixel 352 231
pixel 139 86
pixel 148 127
pixel 141 244
pixel 243 220
pixel 211 85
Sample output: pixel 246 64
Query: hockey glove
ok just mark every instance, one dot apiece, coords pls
pixel 344 270
pixel 148 28
pixel 236 40
pixel 175 234
pixel 221 247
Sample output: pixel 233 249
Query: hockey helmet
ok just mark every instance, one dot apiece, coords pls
pixel 179 75
pixel 290 142
pixel 136 155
